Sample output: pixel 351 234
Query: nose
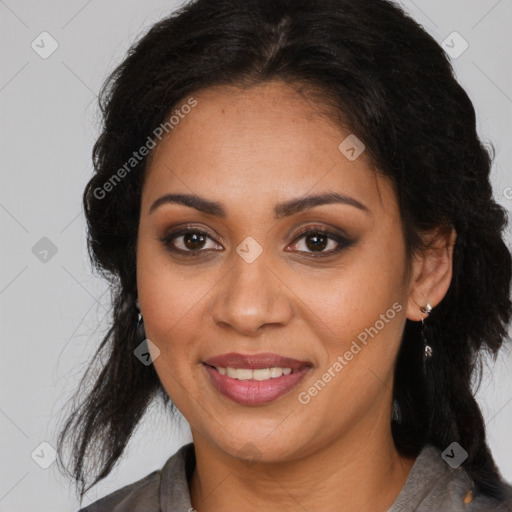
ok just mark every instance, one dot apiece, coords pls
pixel 251 297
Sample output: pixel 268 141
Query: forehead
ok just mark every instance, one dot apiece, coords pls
pixel 259 145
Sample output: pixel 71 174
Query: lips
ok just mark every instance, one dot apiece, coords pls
pixel 255 379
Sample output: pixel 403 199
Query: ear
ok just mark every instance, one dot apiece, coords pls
pixel 431 272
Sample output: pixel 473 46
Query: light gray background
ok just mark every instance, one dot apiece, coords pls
pixel 53 313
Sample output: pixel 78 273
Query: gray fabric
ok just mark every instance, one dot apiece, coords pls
pixel 432 486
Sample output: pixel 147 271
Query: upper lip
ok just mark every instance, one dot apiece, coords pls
pixel 255 361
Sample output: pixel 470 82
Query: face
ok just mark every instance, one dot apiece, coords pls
pixel 278 322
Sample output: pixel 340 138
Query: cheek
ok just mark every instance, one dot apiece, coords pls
pixel 364 306
pixel 171 298
pixel 353 297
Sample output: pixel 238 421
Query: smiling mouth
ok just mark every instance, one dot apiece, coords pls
pixel 257 379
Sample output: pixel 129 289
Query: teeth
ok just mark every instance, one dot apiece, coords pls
pixel 258 374
pixel 275 372
pixel 243 374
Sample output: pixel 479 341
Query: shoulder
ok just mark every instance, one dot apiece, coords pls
pixel 145 494
pixel 140 495
pixel 459 493
pixel 434 485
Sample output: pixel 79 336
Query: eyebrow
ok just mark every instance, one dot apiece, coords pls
pixel 284 209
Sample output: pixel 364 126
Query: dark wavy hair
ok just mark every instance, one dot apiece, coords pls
pixel 394 87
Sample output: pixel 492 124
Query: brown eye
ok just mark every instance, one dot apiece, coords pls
pixel 317 240
pixel 188 241
pixel 193 240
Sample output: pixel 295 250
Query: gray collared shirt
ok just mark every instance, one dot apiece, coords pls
pixel 432 486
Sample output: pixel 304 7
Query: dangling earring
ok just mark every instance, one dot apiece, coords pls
pixel 141 333
pixel 427 349
pixel 396 415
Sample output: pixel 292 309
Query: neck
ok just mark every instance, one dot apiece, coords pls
pixel 351 473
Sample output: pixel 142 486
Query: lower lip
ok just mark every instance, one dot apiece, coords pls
pixel 254 392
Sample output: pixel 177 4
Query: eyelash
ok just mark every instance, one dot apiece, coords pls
pixel 342 241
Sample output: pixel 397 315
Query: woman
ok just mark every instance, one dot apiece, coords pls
pixel 294 209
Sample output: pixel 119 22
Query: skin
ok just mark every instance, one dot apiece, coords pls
pixel 250 149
